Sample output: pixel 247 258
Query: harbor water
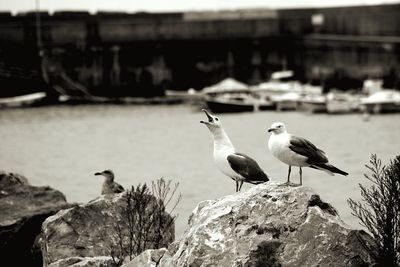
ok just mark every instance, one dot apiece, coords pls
pixel 63 146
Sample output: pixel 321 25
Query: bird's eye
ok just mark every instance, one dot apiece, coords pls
pixel 216 119
pixel 279 126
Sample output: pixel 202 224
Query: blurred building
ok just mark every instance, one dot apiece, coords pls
pixel 141 54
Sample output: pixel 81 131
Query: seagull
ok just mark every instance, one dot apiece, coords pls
pixel 109 186
pixel 297 151
pixel 238 166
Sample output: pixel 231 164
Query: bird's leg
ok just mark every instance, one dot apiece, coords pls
pixel 237 185
pixel 240 185
pixel 301 176
pixel 288 177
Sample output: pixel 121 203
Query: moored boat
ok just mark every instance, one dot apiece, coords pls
pixel 190 95
pixel 230 95
pixel 23 100
pixel 225 106
pixel 236 103
pixel 313 103
pixel 288 101
pixel 383 101
pixel 338 102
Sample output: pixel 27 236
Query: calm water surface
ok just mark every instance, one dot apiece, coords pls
pixel 63 146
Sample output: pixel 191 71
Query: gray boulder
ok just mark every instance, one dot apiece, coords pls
pixel 100 261
pixel 267 225
pixel 149 258
pixel 23 208
pixel 90 231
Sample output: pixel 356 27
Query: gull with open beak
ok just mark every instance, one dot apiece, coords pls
pixel 237 166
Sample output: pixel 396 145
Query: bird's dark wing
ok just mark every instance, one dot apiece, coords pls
pixel 118 188
pixel 307 149
pixel 247 167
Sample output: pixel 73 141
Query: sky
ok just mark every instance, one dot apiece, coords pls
pixel 93 6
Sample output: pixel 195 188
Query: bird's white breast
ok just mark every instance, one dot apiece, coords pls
pixel 221 160
pixel 278 144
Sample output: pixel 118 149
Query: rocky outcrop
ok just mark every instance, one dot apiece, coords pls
pixel 268 225
pixel 100 261
pixel 90 231
pixel 23 208
pixel 149 258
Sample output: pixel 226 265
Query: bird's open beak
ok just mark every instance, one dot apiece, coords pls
pixel 210 119
pixel 98 173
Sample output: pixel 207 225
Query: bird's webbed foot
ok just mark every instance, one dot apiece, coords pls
pixel 288 183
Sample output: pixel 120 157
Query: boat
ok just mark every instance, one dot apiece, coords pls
pixel 279 84
pixel 371 86
pixel 237 103
pixel 23 100
pixel 383 101
pixel 276 87
pixel 227 85
pixel 313 103
pixel 220 105
pixel 287 101
pixel 283 91
pixel 190 95
pixel 337 102
pixel 230 95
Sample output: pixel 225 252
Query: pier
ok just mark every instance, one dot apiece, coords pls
pixel 142 54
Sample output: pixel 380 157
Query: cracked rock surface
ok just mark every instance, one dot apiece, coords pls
pixel 85 234
pixel 23 208
pixel 267 225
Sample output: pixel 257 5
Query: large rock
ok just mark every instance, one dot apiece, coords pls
pixel 268 225
pixel 101 261
pixel 149 258
pixel 89 231
pixel 23 208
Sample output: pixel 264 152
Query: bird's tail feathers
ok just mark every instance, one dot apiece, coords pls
pixel 261 178
pixel 257 182
pixel 328 168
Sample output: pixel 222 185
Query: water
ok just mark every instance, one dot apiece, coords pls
pixel 63 146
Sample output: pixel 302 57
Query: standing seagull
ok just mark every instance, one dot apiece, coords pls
pixel 297 151
pixel 109 186
pixel 237 166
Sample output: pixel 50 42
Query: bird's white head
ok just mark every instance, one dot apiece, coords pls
pixel 108 174
pixel 213 122
pixel 277 128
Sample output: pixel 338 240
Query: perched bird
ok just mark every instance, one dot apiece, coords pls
pixel 297 151
pixel 109 186
pixel 237 166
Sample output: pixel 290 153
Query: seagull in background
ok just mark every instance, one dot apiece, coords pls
pixel 109 186
pixel 239 167
pixel 297 151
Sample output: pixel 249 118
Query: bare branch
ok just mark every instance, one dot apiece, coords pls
pixel 146 222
